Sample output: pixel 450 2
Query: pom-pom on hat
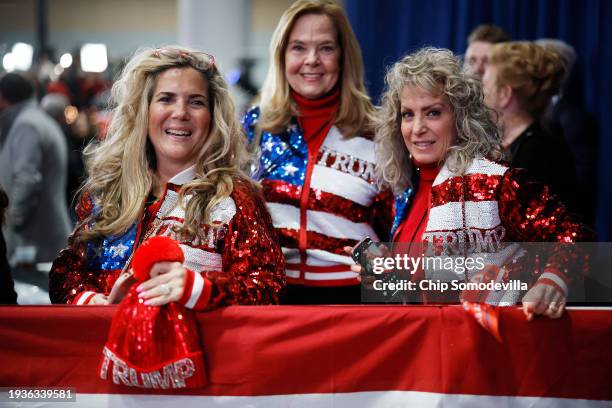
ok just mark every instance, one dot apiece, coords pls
pixel 156 249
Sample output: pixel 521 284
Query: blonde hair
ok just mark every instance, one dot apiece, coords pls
pixel 534 73
pixel 437 71
pixel 119 167
pixel 356 112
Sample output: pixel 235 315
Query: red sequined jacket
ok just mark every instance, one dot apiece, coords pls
pixel 491 212
pixel 237 260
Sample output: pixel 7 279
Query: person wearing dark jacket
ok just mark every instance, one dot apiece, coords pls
pixel 33 167
pixel 519 82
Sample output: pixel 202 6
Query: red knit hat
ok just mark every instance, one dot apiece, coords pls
pixel 153 346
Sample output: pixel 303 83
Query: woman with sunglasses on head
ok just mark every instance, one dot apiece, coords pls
pixel 313 130
pixel 171 166
pixel 438 149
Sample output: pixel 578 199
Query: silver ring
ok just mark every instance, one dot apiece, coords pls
pixel 165 289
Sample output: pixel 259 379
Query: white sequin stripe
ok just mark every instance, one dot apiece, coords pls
pixel 292 274
pixel 360 147
pixel 196 290
pixel 479 214
pixel 484 166
pixel 343 185
pixel 319 257
pixel 84 298
pixel 556 279
pixel 199 260
pixel 316 257
pixel 223 211
pixel 288 216
pixel 329 276
pixel 169 207
pixel 478 166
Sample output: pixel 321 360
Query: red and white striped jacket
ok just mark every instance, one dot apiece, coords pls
pixel 491 212
pixel 320 206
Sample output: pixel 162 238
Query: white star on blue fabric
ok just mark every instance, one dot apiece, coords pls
pixel 119 250
pixel 290 169
pixel 268 145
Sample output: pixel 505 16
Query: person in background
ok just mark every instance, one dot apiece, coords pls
pixel 77 134
pixel 480 41
pixel 566 113
pixel 519 82
pixel 171 166
pixel 313 130
pixel 7 286
pixel 33 168
pixel 437 148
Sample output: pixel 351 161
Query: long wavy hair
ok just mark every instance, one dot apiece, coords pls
pixel 356 112
pixel 121 167
pixel 437 71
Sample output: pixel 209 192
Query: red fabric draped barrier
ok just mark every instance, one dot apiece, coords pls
pixel 282 350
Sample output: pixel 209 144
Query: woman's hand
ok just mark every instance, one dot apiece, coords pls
pixel 543 299
pixel 99 299
pixel 354 267
pixel 367 280
pixel 166 284
pixel 121 287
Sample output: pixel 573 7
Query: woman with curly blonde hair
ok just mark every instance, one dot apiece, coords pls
pixel 519 83
pixel 171 165
pixel 313 130
pixel 437 148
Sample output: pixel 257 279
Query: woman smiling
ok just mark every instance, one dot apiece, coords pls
pixel 438 149
pixel 171 166
pixel 314 134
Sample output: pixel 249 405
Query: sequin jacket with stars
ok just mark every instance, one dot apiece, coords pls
pixel 320 206
pixel 237 260
pixel 489 210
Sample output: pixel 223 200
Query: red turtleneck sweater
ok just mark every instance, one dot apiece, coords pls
pixel 316 116
pixel 413 226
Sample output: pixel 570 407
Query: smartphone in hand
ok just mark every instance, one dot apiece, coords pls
pixel 364 252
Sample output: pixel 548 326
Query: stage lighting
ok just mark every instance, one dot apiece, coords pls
pixel 66 60
pixel 8 62
pixel 93 58
pixel 21 57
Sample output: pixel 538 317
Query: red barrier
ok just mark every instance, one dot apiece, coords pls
pixel 335 350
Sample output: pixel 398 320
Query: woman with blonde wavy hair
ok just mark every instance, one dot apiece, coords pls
pixel 437 149
pixel 171 166
pixel 313 130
